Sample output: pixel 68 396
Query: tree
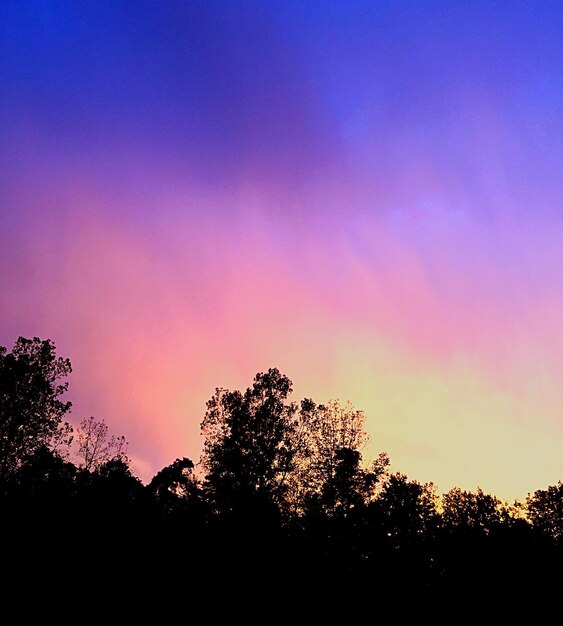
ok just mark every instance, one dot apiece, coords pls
pixel 248 449
pixel 110 491
pixel 478 511
pixel 545 510
pixel 45 476
pixel 328 471
pixel 96 447
pixel 175 485
pixel 406 509
pixel 31 412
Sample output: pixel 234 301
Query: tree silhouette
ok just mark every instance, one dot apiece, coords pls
pixel 46 477
pixel 467 510
pixel 109 495
pixel 96 447
pixel 328 472
pixel 545 510
pixel 285 495
pixel 406 509
pixel 31 412
pixel 247 449
pixel 176 486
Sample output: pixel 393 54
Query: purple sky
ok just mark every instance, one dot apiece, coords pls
pixel 366 195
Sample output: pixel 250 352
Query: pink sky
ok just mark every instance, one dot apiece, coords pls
pixel 425 321
pixel 364 195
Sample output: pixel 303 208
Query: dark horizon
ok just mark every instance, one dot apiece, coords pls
pixel 283 491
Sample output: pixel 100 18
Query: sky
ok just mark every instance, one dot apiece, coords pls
pixel 365 195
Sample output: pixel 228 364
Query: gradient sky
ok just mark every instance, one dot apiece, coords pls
pixel 364 194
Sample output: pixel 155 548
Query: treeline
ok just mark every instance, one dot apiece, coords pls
pixel 281 492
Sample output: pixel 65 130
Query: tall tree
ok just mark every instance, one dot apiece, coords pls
pixel 248 443
pixel 31 411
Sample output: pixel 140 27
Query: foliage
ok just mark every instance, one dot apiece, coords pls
pixel 329 459
pixel 175 486
pixel 284 495
pixel 545 510
pixel 406 509
pixel 31 411
pixel 248 449
pixel 464 509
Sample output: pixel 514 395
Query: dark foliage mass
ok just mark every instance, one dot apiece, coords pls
pixel 281 504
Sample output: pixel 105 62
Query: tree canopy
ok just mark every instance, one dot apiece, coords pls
pixel 282 489
pixel 31 409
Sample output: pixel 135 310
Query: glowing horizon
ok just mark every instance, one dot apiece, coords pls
pixel 366 198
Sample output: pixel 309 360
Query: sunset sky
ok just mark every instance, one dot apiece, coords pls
pixel 366 195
